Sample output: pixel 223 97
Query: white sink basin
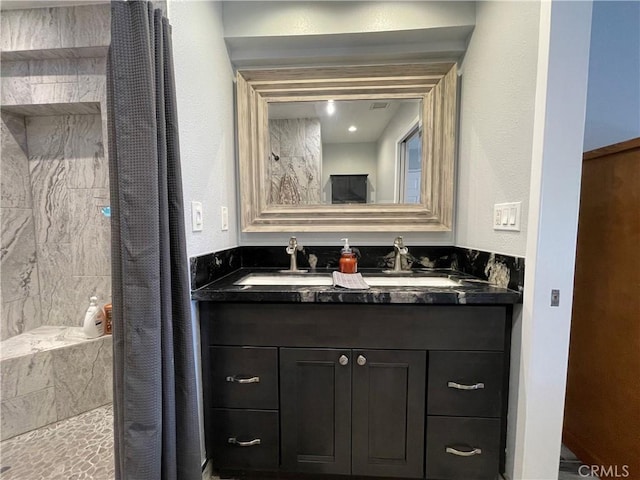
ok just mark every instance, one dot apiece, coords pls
pixel 410 282
pixel 285 279
pixel 322 280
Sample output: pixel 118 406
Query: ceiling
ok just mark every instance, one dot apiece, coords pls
pixel 369 121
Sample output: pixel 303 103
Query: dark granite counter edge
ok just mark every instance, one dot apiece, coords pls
pixel 469 292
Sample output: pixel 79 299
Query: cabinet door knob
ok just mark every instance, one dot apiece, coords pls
pixel 462 453
pixel 343 360
pixel 459 386
pixel 235 379
pixel 362 360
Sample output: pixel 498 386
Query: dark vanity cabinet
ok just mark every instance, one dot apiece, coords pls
pixel 393 391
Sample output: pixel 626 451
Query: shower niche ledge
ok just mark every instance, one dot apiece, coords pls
pixel 49 109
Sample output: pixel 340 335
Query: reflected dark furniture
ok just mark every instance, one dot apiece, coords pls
pixel 348 188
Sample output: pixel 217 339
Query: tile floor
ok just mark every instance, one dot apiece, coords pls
pixel 78 448
pixel 570 466
pixel 81 448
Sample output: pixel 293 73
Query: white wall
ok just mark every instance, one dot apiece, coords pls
pixel 204 87
pixel 496 123
pixel 347 159
pixel 204 90
pixel 540 341
pixel 387 155
pixel 613 99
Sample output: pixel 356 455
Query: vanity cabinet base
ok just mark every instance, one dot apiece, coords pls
pixel 351 390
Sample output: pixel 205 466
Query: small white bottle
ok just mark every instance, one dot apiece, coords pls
pixel 93 326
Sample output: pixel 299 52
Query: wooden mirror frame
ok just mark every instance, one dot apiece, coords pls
pixel 434 83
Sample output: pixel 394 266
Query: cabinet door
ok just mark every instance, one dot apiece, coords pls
pixel 388 413
pixel 315 410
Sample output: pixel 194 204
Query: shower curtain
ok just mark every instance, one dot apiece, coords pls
pixel 156 424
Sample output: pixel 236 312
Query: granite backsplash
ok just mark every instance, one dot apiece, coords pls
pixel 502 270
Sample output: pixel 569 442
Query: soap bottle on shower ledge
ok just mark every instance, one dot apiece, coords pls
pixel 93 325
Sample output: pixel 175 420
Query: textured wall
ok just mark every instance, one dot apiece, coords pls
pixel 496 123
pixel 205 113
pixel 295 177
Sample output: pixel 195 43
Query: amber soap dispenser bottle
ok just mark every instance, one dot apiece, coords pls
pixel 348 260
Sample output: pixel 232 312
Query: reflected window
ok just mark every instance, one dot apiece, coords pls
pixel 410 166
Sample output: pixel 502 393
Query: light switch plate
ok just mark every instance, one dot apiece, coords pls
pixel 506 216
pixel 224 219
pixel 196 216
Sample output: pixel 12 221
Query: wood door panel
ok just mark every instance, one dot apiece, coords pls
pixel 388 413
pixel 315 409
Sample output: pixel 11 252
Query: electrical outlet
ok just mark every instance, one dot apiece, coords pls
pixel 224 219
pixel 506 216
pixel 196 216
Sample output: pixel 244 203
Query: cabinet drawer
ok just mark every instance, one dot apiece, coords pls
pixel 244 377
pixel 245 439
pixel 466 448
pixel 465 383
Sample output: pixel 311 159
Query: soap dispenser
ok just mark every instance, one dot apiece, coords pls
pixel 93 325
pixel 348 260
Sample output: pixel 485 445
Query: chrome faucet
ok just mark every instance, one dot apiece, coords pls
pixel 292 249
pixel 400 251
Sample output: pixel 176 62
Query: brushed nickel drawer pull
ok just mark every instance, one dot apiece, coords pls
pixel 250 443
pixel 234 379
pixel 459 386
pixel 460 453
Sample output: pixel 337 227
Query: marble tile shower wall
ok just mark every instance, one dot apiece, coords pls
pixel 55 240
pixel 55 32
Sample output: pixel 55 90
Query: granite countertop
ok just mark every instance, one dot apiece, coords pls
pixel 470 291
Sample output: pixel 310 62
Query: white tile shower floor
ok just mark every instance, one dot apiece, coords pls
pixel 81 448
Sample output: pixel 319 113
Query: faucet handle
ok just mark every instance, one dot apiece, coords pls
pixel 293 245
pixel 398 243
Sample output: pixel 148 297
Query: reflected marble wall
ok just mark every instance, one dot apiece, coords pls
pixel 295 177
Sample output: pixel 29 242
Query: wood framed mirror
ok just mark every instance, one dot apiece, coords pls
pixel 298 131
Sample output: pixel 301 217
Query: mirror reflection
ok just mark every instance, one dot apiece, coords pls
pixel 345 151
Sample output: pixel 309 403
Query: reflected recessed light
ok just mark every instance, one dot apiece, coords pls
pixel 353 128
pixel 331 107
